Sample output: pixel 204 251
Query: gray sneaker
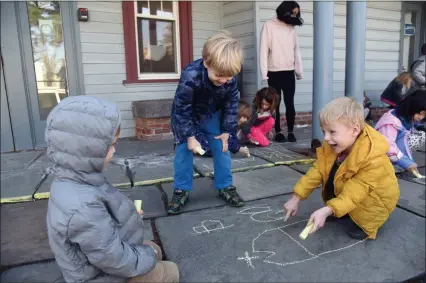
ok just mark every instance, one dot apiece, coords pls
pixel 180 198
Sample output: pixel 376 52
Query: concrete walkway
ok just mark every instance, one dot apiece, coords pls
pixel 211 241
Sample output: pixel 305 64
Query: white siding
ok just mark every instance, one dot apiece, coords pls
pixel 238 18
pixel 104 64
pixel 206 21
pixel 382 47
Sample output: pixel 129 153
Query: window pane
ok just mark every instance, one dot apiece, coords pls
pixel 157 51
pixel 48 54
pixel 143 7
pixel 155 8
pixel 167 9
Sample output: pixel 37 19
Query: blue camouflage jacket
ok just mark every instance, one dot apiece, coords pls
pixel 197 99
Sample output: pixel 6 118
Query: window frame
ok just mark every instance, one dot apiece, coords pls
pixel 183 36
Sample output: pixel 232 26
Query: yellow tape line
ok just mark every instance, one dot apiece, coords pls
pixel 292 162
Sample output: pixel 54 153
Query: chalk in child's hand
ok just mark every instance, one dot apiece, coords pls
pixel 138 204
pixel 306 231
pixel 200 150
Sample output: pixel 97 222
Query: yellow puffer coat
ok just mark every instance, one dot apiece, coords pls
pixel 365 184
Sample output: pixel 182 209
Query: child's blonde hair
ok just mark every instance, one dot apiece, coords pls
pixel 223 53
pixel 405 78
pixel 343 109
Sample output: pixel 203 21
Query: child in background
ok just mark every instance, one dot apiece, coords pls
pixel 244 114
pixel 397 89
pixel 206 101
pixel 94 230
pixel 356 175
pixel 398 127
pixel 262 121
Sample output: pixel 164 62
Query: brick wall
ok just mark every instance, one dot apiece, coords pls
pixel 152 129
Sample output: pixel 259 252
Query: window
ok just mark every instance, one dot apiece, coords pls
pixel 157 39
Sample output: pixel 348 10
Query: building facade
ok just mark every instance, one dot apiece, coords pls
pixel 134 51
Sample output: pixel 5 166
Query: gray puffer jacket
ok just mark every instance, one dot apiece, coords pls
pixel 94 230
pixel 418 71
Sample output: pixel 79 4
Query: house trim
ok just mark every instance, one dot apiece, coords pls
pixel 185 34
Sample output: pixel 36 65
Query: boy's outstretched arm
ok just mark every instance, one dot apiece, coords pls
pixel 183 106
pixel 94 231
pixel 230 109
pixel 309 182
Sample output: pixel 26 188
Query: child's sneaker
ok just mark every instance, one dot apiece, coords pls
pixel 180 198
pixel 231 196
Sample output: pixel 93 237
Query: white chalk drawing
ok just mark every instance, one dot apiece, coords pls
pixel 248 259
pixel 203 228
pixel 233 160
pixel 256 210
pixel 271 154
pixel 262 208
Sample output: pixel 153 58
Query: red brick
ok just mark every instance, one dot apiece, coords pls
pixel 162 131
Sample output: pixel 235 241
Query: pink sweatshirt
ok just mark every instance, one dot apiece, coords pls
pixel 279 48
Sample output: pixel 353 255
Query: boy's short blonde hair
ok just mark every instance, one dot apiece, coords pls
pixel 223 53
pixel 344 110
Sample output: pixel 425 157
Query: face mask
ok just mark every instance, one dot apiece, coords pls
pixel 294 21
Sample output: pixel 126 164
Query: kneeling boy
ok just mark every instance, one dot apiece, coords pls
pixel 357 177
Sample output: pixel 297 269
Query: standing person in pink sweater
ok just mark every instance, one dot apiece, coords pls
pixel 280 61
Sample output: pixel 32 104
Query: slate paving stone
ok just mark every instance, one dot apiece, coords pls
pixel 412 197
pixel 408 176
pixel 420 158
pixel 22 183
pixel 152 202
pixel 253 244
pixel 204 165
pixel 47 272
pixel 24 233
pixel 303 168
pixel 133 147
pixel 266 182
pixel 18 161
pixel 277 154
pixel 147 169
pixel 203 195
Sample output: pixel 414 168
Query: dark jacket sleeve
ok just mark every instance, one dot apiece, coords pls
pixel 93 229
pixel 230 109
pixel 183 116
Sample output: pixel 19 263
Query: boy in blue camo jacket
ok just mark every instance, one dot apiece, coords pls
pixel 206 101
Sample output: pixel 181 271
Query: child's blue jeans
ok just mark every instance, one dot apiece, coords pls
pixel 184 159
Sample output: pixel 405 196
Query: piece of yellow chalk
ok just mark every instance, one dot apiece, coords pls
pixel 306 231
pixel 138 204
pixel 200 150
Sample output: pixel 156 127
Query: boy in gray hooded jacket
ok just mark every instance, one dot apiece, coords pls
pixel 94 231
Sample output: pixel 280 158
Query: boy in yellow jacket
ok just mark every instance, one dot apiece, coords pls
pixel 356 175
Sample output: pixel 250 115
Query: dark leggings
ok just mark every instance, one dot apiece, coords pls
pixel 284 81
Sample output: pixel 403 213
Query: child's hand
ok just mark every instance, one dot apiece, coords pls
pixel 140 212
pixel 244 150
pixel 224 138
pixel 270 135
pixel 193 144
pixel 291 206
pixel 319 217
